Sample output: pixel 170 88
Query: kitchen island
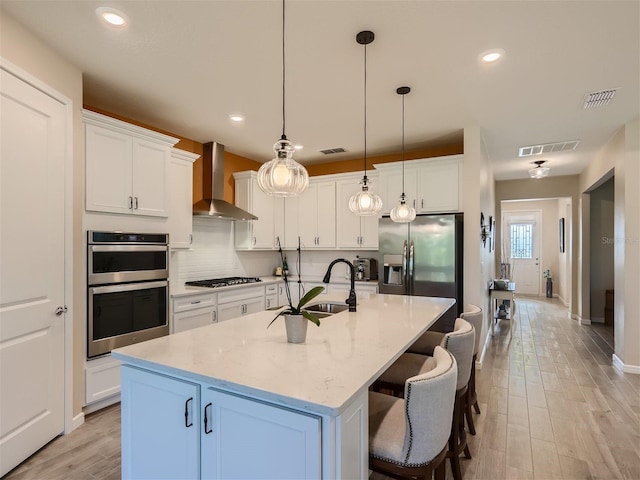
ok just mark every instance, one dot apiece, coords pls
pixel 236 400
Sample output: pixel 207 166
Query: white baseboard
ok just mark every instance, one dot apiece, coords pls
pixel 582 321
pixel 619 364
pixel 76 421
pixel 99 405
pixel 597 319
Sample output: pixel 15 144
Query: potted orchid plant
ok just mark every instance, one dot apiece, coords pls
pixel 296 317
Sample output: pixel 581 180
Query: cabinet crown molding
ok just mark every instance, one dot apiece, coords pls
pixel 100 120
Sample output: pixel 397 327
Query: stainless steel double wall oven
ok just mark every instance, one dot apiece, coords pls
pixel 128 289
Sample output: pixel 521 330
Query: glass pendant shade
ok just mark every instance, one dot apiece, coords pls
pixel 282 176
pixel 403 213
pixel 539 172
pixel 365 203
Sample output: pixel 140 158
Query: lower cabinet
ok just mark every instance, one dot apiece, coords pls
pixel 239 302
pixel 192 311
pixel 173 428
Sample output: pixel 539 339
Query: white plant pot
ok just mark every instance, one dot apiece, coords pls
pixel 296 328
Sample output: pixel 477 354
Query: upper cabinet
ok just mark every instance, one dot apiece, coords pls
pixel 310 217
pixel 353 231
pixel 126 167
pixel 431 185
pixel 265 232
pixel 180 198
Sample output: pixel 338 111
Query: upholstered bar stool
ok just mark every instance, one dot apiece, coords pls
pixel 460 343
pixel 408 437
pixel 473 314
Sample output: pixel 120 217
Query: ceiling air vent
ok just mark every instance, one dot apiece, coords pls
pixel 547 148
pixel 331 151
pixel 599 98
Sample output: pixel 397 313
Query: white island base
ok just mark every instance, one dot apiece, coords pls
pixel 235 400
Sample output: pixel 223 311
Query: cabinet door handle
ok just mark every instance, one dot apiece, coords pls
pixel 414 203
pixel 207 429
pixel 191 239
pixel 215 316
pixel 135 203
pixel 422 204
pixel 130 203
pixel 254 241
pixel 186 413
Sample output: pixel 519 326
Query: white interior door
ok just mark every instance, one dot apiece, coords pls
pixel 521 230
pixel 32 138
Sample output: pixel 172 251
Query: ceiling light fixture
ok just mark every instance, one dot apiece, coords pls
pixel 112 16
pixel 490 56
pixel 403 213
pixel 237 118
pixel 282 176
pixel 539 171
pixel 365 203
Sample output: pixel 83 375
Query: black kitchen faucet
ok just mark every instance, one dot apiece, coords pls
pixel 351 301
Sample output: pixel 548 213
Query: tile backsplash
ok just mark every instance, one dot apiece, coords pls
pixel 213 255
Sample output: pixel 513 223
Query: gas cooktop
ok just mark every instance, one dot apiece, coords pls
pixel 223 282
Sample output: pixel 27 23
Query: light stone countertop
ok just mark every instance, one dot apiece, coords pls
pixel 340 358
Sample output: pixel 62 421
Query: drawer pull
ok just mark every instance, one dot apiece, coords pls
pixel 195 302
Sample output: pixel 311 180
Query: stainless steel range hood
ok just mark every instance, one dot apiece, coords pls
pixel 213 206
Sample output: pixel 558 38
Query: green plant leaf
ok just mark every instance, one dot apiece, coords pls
pixel 286 311
pixel 310 295
pixel 311 317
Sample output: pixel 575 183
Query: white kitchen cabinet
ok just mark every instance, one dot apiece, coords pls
pixel 160 426
pixel 353 231
pixel 271 296
pixel 127 167
pixel 260 440
pixel 432 185
pixel 439 187
pixel 192 311
pixel 240 301
pixel 102 381
pixel 174 428
pixel 180 198
pixel 264 233
pixel 311 217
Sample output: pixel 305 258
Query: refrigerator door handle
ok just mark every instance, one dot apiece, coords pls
pixel 410 283
pixel 405 268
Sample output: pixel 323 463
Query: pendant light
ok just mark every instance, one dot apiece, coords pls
pixel 403 213
pixel 282 176
pixel 365 203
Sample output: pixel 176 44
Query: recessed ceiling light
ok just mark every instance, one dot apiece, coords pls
pixel 298 147
pixel 112 16
pixel 236 117
pixel 490 56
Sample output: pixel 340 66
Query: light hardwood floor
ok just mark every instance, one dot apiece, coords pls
pixel 553 407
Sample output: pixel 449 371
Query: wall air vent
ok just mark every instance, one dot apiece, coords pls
pixel 547 148
pixel 331 151
pixel 599 98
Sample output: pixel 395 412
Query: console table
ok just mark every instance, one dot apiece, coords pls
pixel 498 296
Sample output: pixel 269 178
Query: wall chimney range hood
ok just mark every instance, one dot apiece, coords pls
pixel 213 205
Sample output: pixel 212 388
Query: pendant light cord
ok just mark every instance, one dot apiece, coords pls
pixel 284 137
pixel 365 114
pixel 403 195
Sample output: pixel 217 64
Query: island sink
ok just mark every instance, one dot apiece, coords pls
pixel 329 308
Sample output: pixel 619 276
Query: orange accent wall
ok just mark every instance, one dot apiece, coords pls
pixel 355 165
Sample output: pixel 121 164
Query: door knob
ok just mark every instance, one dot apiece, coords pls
pixel 61 310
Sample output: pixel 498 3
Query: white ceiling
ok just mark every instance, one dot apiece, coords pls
pixel 185 66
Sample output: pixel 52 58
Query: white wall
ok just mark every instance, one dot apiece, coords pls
pixel 622 156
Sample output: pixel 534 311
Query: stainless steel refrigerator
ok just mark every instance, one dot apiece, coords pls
pixel 423 258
